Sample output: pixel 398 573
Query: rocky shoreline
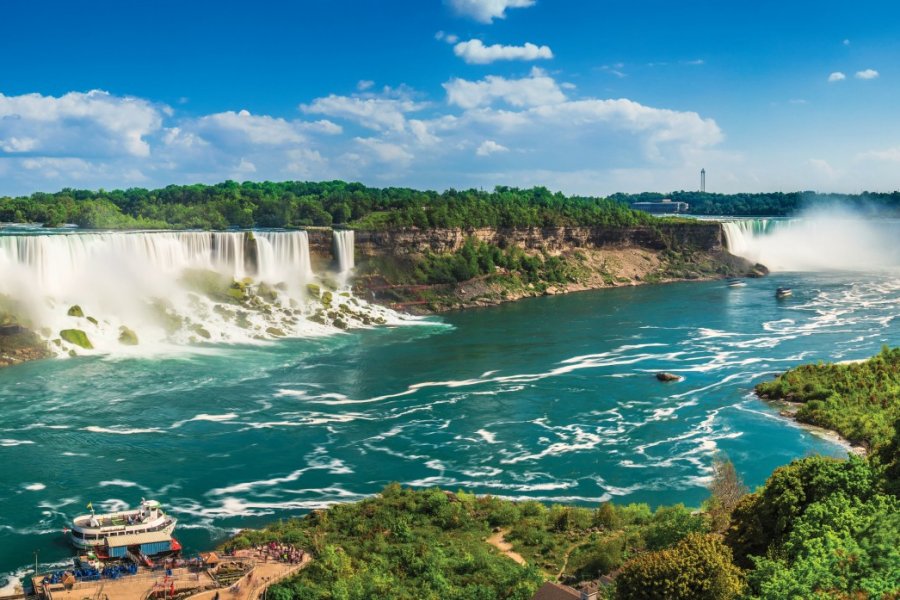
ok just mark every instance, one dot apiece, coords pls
pixel 604 268
pixel 788 410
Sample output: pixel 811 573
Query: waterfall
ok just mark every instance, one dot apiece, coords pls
pixel 284 256
pixel 344 249
pixel 817 240
pixel 172 288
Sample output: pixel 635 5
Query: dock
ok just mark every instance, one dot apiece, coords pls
pixel 246 575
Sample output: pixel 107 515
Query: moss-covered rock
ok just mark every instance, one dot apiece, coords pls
pixel 166 316
pixel 275 331
pixel 226 313
pixel 127 337
pixel 76 337
pixel 313 290
pixel 266 292
pixel 340 323
pixel 327 298
pixel 93 320
pixel 214 285
pixel 201 331
pixel 75 311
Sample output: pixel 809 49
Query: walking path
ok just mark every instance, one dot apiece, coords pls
pixel 252 585
pixel 499 542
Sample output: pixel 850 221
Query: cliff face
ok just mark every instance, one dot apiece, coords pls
pixel 700 236
pixel 393 264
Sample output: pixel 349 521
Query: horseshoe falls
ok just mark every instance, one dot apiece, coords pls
pixel 818 240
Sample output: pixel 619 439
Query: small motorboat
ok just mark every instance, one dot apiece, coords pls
pixel 736 283
pixel 783 292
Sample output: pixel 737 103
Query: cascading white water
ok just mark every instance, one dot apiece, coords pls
pixel 284 256
pixel 172 288
pixel 817 240
pixel 344 251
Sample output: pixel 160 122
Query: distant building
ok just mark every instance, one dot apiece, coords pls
pixel 664 206
pixel 555 591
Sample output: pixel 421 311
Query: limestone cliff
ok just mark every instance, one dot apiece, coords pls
pixel 593 257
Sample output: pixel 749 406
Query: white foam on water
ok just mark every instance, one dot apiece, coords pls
pixel 487 436
pixel 34 487
pixel 12 443
pixel 120 483
pixel 121 430
pixel 224 418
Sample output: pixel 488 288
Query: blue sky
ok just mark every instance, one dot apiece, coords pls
pixel 585 97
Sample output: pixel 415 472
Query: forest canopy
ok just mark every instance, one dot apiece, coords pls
pixel 305 204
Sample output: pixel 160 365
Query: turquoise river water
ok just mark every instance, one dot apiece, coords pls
pixel 551 398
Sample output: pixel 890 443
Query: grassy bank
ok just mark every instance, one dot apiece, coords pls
pixel 819 528
pixel 860 401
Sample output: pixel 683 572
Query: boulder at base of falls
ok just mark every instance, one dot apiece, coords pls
pixel 758 270
pixel 18 344
pixel 201 331
pixel 667 377
pixel 127 337
pixel 76 337
pixel 275 331
pixel 75 311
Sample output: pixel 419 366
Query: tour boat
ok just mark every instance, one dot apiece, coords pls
pixel 105 530
pixel 736 283
pixel 783 292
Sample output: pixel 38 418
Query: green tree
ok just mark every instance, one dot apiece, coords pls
pixel 699 567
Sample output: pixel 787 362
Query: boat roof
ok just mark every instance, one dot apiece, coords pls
pixel 136 539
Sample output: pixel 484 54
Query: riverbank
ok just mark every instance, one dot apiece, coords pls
pixel 582 270
pixel 789 410
pixel 857 400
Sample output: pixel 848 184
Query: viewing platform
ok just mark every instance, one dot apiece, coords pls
pixel 243 576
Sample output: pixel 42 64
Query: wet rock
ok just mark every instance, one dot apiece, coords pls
pixel 667 377
pixel 76 337
pixel 201 331
pixel 75 311
pixel 127 337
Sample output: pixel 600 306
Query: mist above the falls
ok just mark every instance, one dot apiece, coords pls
pixel 822 238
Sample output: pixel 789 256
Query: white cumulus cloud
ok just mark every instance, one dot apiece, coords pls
pixel 535 90
pixel 475 52
pixel 489 147
pixel 485 11
pixel 379 113
pixel 256 129
pixel 836 76
pixel 78 122
pixel 867 74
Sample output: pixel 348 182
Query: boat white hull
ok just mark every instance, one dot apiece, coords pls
pixel 90 544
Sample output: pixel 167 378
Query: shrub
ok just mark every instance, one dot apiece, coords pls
pixel 698 568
